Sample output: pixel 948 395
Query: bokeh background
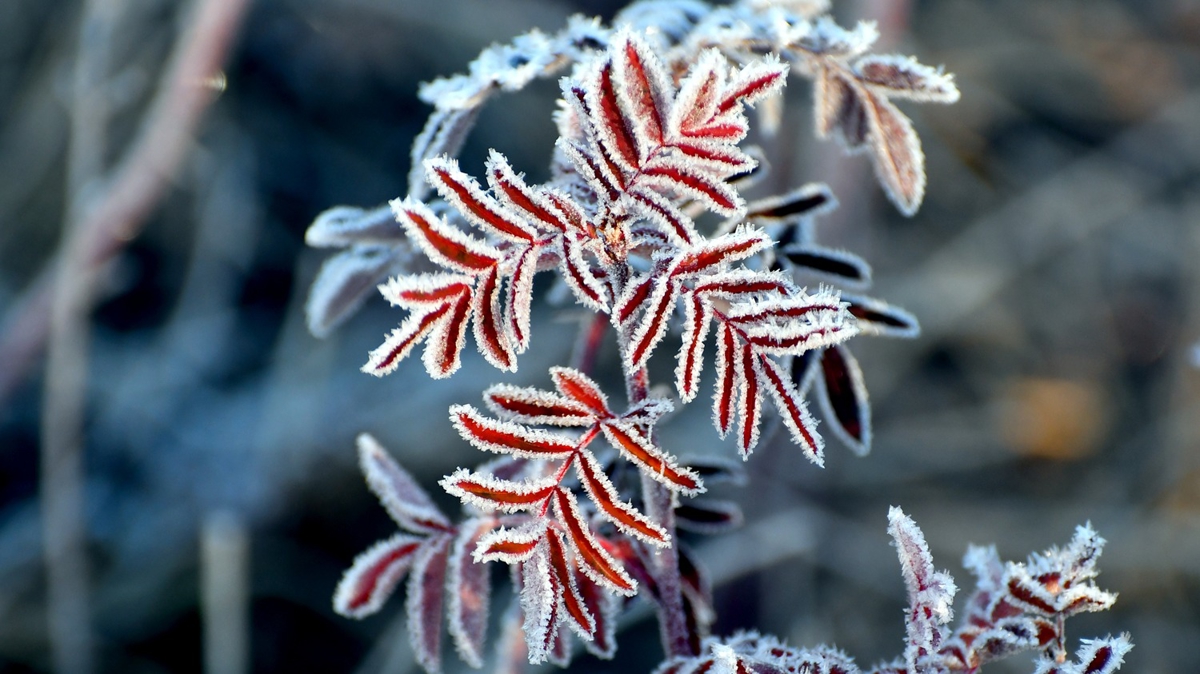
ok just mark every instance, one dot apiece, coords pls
pixel 1052 266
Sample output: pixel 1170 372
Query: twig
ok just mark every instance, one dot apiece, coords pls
pixel 95 229
pixel 224 582
pixel 140 179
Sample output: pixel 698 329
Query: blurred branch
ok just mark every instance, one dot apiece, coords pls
pixel 224 583
pixel 189 85
pixel 96 228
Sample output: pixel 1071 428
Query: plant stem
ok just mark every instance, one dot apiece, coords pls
pixel 663 564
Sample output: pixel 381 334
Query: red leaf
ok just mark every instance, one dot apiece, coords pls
pixel 580 620
pixel 633 299
pixel 489 325
pixel 595 561
pixel 604 607
pixel 644 90
pixel 510 546
pixel 580 388
pixel 489 492
pixel 752 83
pixel 373 576
pixel 622 514
pixel 724 249
pixel 520 297
pixel 690 180
pixel 697 318
pixel 508 438
pixel 444 244
pixel 661 466
pixel 612 132
pixel 845 397
pixel 463 193
pixel 750 408
pixel 423 605
pixel 579 277
pixel 469 588
pixel 727 378
pixel 653 326
pixel 795 413
pixel 678 227
pixel 536 407
pixel 511 188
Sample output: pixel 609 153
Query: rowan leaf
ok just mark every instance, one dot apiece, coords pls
pixel 373 576
pixel 405 501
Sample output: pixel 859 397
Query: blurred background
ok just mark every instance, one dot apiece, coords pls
pixel 1052 266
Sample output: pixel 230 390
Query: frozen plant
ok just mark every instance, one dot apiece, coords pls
pixel 582 501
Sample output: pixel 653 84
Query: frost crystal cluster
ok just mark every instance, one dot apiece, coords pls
pixel 643 223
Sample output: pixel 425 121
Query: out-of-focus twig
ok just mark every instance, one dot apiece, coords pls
pixel 101 219
pixel 62 481
pixel 193 79
pixel 224 583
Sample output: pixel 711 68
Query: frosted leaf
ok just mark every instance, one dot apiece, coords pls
pixel 690 361
pixel 826 38
pixel 479 208
pixel 637 448
pixel 843 397
pixel 1095 656
pixel 593 559
pixel 576 615
pixel 344 282
pixel 444 134
pixel 708 516
pixel 426 588
pixel 405 501
pixel 750 397
pixel 807 201
pixel 796 417
pixel 490 493
pixel 373 576
pixel 443 243
pixel 658 307
pixel 728 366
pixel 490 329
pixel 506 437
pixel 539 603
pixel 896 151
pixel 836 265
pixel 875 317
pixel 623 515
pixel 582 389
pixel 930 592
pixel 469 588
pixel 441 309
pixel 343 226
pixel 904 77
pixel 536 407
pixel 510 545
